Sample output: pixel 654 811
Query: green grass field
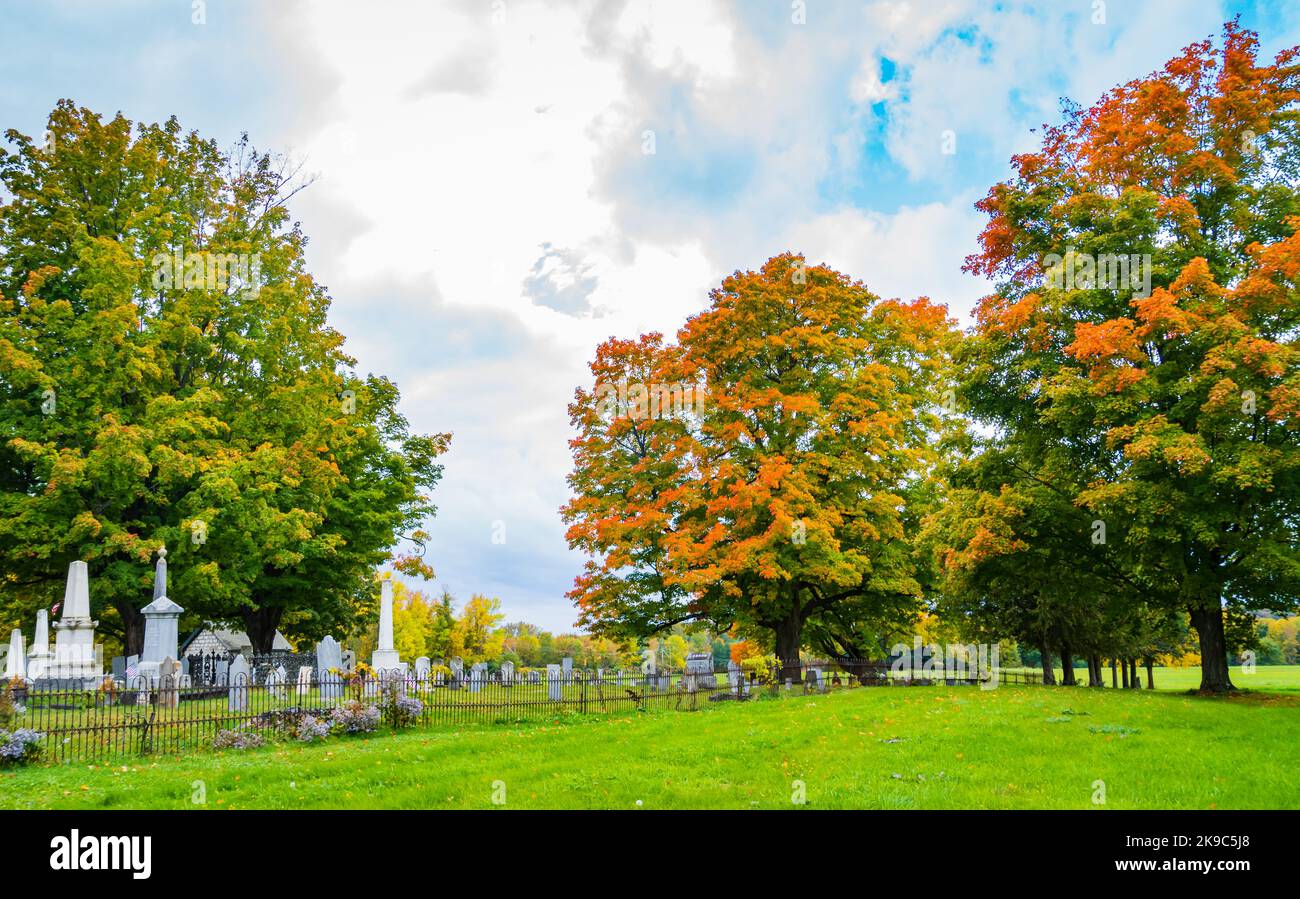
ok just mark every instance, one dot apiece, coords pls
pixel 918 747
pixel 1268 678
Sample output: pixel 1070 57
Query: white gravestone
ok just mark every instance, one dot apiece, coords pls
pixel 567 667
pixel 304 681
pixel 16 663
pixel 276 681
pixel 169 683
pixel 385 657
pixel 554 682
pixel 74 634
pixel 477 675
pixel 161 620
pixel 240 679
pixel 40 657
pixel 329 662
pixel 508 673
pixel 422 666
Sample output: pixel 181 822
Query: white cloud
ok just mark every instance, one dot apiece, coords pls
pixel 487 212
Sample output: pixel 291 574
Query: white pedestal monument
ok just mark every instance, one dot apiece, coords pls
pixel 385 658
pixel 15 663
pixel 74 634
pixel 40 657
pixel 161 623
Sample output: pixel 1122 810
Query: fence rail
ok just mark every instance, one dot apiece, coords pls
pixel 142 716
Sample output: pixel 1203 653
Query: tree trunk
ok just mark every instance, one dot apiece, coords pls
pixel 1114 674
pixel 1151 678
pixel 1049 676
pixel 789 637
pixel 1133 681
pixel 132 629
pixel 1123 667
pixel 1067 667
pixel 1094 671
pixel 1214 649
pixel 261 625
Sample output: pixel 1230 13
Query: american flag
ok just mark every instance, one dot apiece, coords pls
pixel 132 671
pixel 54 609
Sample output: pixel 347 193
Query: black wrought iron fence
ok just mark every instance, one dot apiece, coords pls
pixel 167 716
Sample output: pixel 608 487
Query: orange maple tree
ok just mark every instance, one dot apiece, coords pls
pixel 786 498
pixel 1172 395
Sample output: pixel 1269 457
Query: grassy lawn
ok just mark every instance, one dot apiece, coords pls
pixel 1270 678
pixel 918 747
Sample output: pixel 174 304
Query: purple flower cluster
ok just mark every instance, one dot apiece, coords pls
pixel 355 718
pixel 406 710
pixel 312 728
pixel 20 745
pixel 233 739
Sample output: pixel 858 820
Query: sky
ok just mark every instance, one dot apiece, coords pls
pixel 500 185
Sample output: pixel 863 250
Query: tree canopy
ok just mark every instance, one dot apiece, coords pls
pixel 168 375
pixel 786 496
pixel 1164 405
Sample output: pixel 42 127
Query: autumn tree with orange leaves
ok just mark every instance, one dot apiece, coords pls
pixel 1176 408
pixel 787 497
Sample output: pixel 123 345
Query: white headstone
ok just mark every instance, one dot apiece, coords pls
pixel 554 682
pixel 477 675
pixel 566 665
pixel 169 683
pixel 40 657
pixel 329 662
pixel 422 666
pixel 508 672
pixel 16 662
pixel 304 681
pixel 240 682
pixel 276 680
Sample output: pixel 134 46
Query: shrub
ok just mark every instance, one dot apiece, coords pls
pixel 312 728
pixel 765 669
pixel 10 710
pixel 354 717
pixel 406 710
pixel 233 739
pixel 18 746
pixel 399 709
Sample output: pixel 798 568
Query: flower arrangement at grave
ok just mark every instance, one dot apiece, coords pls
pixel 107 691
pixel 357 675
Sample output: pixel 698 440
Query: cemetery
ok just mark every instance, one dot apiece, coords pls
pixel 163 702
pixel 754 448
pixel 854 748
